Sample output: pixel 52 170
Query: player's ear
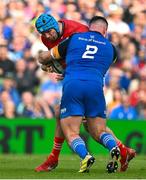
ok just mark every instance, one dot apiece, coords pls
pixel 44 57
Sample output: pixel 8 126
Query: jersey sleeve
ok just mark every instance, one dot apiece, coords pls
pixel 62 47
pixel 45 42
pixel 115 55
pixel 59 51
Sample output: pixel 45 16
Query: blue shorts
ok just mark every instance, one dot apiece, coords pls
pixel 82 98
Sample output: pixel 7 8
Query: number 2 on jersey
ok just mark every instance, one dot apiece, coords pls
pixel 90 51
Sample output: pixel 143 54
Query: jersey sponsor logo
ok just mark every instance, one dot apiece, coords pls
pixel 92 36
pixel 63 110
pixel 92 40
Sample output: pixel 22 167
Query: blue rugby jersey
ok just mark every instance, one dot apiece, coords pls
pixel 88 56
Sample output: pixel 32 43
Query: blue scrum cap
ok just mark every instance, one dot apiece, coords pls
pixel 45 22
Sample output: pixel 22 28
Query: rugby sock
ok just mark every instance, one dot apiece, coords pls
pixel 58 142
pixel 108 141
pixel 123 149
pixel 120 145
pixel 79 147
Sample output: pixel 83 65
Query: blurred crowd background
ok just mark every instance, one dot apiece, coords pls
pixel 27 91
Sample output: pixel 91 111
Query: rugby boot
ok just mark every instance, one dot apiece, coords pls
pixel 48 165
pixel 127 154
pixel 86 163
pixel 112 165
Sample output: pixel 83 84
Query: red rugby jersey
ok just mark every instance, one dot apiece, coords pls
pixel 69 27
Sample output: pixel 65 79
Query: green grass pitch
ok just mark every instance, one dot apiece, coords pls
pixel 22 167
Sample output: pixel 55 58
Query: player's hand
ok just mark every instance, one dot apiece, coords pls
pixel 59 77
pixel 43 57
pixel 55 76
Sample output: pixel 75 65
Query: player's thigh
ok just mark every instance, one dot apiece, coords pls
pixel 95 105
pixel 72 100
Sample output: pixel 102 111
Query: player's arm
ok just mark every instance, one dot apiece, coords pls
pixel 57 53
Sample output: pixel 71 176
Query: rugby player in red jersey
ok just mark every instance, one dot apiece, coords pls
pixel 52 33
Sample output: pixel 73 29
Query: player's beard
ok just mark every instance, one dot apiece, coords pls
pixel 53 38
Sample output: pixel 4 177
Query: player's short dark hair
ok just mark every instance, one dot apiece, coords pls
pixel 98 18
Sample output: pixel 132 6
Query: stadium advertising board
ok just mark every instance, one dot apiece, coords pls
pixel 36 136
